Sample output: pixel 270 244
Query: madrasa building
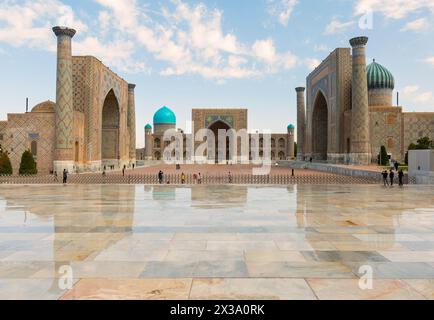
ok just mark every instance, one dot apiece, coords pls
pixel 90 126
pixel 345 113
pixel 280 147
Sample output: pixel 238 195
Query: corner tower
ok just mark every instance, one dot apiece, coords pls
pixel 131 119
pixel 360 151
pixel 301 122
pixel 63 158
pixel 290 145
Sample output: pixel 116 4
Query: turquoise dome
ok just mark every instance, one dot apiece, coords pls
pixel 379 77
pixel 164 116
pixel 291 126
pixel 148 126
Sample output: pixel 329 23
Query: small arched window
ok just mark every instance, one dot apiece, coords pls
pixel 34 148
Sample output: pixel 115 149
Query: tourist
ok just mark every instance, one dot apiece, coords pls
pixel 392 176
pixel 183 178
pixel 134 165
pixel 160 177
pixel 194 177
pixel 401 177
pixel 396 166
pixel 230 177
pixel 385 176
pixel 293 172
pixel 65 176
pixel 123 170
pixel 199 179
pixel 55 177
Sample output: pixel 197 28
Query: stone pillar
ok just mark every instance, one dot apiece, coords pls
pixel 360 152
pixel 64 157
pixel 149 142
pixel 301 123
pixel 290 144
pixel 131 123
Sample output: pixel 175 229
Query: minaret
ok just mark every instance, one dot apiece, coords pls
pixel 301 123
pixel 360 152
pixel 148 142
pixel 63 158
pixel 290 144
pixel 131 123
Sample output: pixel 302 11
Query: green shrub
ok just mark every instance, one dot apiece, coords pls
pixel 424 143
pixel 384 157
pixel 28 164
pixel 5 164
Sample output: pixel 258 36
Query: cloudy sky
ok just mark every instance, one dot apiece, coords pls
pixel 221 53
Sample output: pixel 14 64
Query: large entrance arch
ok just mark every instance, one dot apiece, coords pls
pixel 215 127
pixel 110 130
pixel 320 128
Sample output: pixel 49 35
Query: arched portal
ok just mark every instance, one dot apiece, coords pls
pixel 320 128
pixel 110 130
pixel 215 127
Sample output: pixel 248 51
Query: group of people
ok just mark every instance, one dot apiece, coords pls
pixel 389 177
pixel 197 178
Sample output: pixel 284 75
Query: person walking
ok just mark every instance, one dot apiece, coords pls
pixel 199 179
pixel 391 176
pixel 182 178
pixel 401 177
pixel 123 170
pixel 293 172
pixel 230 177
pixel 396 166
pixel 65 176
pixel 385 176
pixel 56 179
pixel 160 177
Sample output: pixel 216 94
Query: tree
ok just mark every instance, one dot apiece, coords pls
pixel 295 149
pixel 5 164
pixel 28 164
pixel 424 143
pixel 384 157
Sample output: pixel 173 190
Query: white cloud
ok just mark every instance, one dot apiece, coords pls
pixel 415 94
pixel 282 10
pixel 28 23
pixel 337 26
pixel 416 25
pixel 430 61
pixel 312 63
pixel 185 39
pixel 393 9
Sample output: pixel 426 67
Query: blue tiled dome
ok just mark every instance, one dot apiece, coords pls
pixel 148 126
pixel 164 116
pixel 291 126
pixel 379 77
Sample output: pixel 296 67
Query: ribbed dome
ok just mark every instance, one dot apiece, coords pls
pixel 379 77
pixel 148 126
pixel 164 116
pixel 44 107
pixel 291 126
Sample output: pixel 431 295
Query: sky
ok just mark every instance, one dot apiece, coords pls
pixel 188 54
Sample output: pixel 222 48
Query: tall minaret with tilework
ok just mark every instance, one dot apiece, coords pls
pixel 64 101
pixel 131 119
pixel 360 152
pixel 301 122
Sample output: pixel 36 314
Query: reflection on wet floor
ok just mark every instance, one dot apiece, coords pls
pixel 168 242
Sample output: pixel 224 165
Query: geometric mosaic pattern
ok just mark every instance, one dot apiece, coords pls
pixel 417 125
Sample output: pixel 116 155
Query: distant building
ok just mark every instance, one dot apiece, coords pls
pixel 215 119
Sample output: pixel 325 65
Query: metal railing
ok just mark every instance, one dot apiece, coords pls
pixel 190 179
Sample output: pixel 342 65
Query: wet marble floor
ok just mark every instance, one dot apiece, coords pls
pixel 216 242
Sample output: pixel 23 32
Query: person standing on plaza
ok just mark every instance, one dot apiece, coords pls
pixel 183 178
pixel 199 179
pixel 385 176
pixel 160 177
pixel 55 177
pixel 123 170
pixel 230 177
pixel 65 176
pixel 391 176
pixel 401 177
